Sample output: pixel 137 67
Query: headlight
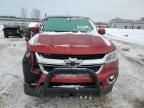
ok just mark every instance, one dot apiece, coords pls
pixel 111 57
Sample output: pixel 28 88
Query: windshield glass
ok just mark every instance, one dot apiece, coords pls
pixel 67 25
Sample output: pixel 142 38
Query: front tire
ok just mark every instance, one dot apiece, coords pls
pixel 6 35
pixel 29 77
pixel 20 35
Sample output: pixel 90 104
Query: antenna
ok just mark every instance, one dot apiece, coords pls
pixel 45 15
pixel 67 13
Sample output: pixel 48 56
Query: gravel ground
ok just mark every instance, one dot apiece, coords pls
pixel 128 91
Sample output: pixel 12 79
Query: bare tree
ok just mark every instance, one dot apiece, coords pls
pixel 23 13
pixel 36 14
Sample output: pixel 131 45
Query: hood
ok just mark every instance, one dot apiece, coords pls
pixel 70 44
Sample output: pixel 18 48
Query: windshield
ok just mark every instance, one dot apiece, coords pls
pixel 67 25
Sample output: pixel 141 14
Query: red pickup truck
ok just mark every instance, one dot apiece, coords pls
pixel 69 56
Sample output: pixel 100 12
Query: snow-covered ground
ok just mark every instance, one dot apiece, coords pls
pixel 132 40
pixel 1 27
pixel 1 33
pixel 128 92
pixel 127 35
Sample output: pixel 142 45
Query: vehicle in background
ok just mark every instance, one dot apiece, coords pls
pixel 12 30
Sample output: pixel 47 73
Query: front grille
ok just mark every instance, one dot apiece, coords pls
pixel 80 57
pixel 51 67
pixel 93 67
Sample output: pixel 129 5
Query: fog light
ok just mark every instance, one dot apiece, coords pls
pixel 112 79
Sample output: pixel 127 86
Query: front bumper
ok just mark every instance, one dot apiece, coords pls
pixel 65 91
pixel 47 90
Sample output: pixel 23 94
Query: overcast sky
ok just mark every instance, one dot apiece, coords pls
pixel 98 10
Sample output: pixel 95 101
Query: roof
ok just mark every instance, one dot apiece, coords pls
pixel 127 21
pixel 19 19
pixel 11 27
pixel 66 17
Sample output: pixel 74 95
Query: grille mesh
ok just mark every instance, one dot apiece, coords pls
pixel 80 57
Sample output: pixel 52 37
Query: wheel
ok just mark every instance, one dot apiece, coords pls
pixel 27 71
pixel 6 35
pixel 20 36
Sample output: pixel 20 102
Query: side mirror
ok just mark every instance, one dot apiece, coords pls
pixel 101 31
pixel 34 27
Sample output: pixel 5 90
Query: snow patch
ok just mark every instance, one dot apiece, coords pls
pixel 77 33
pixel 34 40
pixel 34 24
pixel 126 35
pixel 1 27
pixel 1 31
